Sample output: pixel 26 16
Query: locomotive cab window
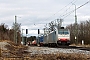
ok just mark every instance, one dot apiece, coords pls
pixel 63 32
pixel 66 32
pixel 60 32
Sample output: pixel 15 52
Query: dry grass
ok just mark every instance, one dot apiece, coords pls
pixel 61 56
pixel 80 45
pixel 13 50
pixel 16 52
pixel 52 57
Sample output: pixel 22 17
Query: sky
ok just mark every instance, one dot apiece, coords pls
pixel 35 14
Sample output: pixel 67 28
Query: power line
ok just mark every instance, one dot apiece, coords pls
pixel 67 14
pixel 68 8
pixel 73 1
pixel 64 7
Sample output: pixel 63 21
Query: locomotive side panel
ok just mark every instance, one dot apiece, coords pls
pixel 45 39
pixel 52 37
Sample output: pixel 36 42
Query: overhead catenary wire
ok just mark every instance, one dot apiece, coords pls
pixel 68 8
pixel 73 1
pixel 67 14
pixel 64 11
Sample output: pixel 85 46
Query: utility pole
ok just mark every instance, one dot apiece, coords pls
pixel 15 30
pixel 26 35
pixel 22 37
pixel 76 31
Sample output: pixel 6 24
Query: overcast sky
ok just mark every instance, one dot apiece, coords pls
pixel 34 14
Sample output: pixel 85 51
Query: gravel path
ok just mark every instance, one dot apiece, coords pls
pixel 47 50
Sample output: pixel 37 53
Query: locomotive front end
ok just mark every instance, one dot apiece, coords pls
pixel 63 37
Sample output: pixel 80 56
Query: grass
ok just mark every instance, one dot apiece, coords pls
pixel 61 56
pixel 16 53
pixel 80 45
pixel 13 50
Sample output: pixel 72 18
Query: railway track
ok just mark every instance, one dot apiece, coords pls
pixel 60 49
pixel 68 47
pixel 74 47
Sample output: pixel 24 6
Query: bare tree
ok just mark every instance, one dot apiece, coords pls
pixel 4 32
pixel 83 32
pixel 17 33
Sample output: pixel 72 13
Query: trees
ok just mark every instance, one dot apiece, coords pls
pixel 83 32
pixel 4 32
pixel 8 34
pixel 17 33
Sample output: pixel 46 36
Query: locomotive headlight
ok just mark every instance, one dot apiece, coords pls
pixel 59 39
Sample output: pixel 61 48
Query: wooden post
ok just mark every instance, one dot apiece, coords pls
pixel 0 52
